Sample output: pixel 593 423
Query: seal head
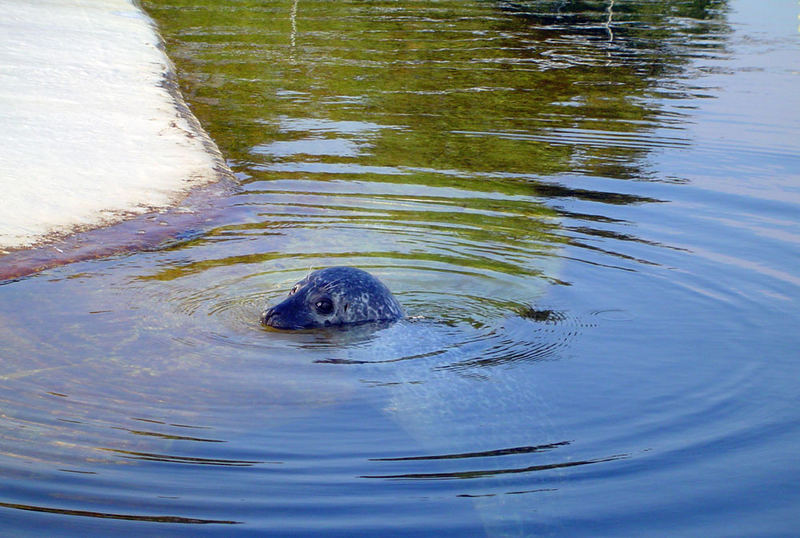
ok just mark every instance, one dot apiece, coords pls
pixel 331 297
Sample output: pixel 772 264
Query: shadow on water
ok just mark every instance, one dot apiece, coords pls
pixel 476 157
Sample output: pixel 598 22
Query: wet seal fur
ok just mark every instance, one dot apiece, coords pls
pixel 333 297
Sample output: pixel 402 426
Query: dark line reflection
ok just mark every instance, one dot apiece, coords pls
pixel 494 472
pixel 128 517
pixel 166 458
pixel 488 453
pixel 476 496
pixel 169 436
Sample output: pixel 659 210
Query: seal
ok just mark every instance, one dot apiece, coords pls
pixel 331 297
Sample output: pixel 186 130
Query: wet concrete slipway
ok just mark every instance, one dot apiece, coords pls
pixel 94 128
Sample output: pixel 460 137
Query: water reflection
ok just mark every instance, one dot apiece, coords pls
pixel 107 515
pixel 376 114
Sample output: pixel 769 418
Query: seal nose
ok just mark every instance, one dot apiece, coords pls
pixel 267 315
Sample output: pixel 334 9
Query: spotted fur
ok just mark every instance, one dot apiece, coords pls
pixel 331 297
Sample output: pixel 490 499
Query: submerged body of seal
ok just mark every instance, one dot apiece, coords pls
pixel 334 296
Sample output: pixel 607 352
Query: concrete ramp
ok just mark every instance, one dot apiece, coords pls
pixel 93 130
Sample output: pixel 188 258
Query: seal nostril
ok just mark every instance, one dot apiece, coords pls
pixel 267 316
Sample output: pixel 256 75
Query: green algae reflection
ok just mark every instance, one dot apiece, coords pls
pixel 460 105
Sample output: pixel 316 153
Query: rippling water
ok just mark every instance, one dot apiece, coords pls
pixel 589 211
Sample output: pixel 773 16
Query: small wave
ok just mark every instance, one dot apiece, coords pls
pixel 110 515
pixel 483 473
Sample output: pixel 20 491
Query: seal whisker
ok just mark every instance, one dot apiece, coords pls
pixel 329 285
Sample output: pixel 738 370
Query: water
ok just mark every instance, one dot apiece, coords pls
pixel 589 211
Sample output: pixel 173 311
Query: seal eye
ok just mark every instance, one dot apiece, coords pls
pixel 324 306
pixel 294 289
